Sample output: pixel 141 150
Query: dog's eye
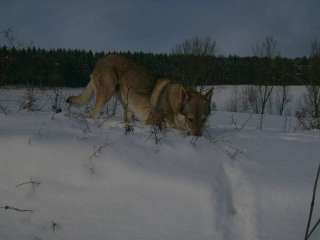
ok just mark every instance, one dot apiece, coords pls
pixel 190 119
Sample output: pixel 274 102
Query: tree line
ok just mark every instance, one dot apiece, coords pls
pixel 72 68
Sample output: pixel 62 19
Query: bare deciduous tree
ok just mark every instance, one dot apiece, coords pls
pixel 309 116
pixel 199 50
pixel 315 49
pixel 10 39
pixel 309 230
pixel 196 46
pixel 6 38
pixel 258 97
pixel 268 50
pixel 283 98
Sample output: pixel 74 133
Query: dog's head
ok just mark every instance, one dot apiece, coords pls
pixel 196 108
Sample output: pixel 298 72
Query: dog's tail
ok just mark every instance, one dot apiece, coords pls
pixel 84 97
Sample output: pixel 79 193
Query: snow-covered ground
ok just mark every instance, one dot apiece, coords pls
pixel 225 97
pixel 98 183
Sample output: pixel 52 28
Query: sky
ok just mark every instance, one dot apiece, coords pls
pixel 158 25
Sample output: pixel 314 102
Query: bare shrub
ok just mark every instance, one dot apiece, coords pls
pixel 55 226
pixel 309 116
pixel 156 134
pixel 7 207
pixel 312 99
pixel 57 100
pixel 157 122
pixel 128 129
pixel 250 99
pixel 256 99
pixel 310 230
pixel 245 105
pixel 282 99
pixel 4 109
pixel 30 100
pixel 233 105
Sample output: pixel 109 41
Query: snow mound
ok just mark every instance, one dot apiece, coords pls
pixel 95 182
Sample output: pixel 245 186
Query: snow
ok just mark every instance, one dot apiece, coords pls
pixel 98 183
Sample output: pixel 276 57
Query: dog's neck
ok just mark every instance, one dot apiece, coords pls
pixel 158 92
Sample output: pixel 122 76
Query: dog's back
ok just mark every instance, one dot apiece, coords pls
pixel 125 73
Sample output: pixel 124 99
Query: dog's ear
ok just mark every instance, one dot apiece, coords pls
pixel 209 94
pixel 179 96
pixel 184 95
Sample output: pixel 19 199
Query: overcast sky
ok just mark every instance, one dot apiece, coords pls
pixel 156 26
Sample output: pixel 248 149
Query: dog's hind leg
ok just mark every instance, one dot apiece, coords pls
pixel 104 91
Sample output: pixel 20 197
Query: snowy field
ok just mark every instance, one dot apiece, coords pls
pixel 88 180
pixel 231 98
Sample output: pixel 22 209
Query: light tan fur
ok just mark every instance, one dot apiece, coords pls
pixel 118 75
pixel 149 101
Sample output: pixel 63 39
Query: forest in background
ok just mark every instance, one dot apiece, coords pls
pixel 72 68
